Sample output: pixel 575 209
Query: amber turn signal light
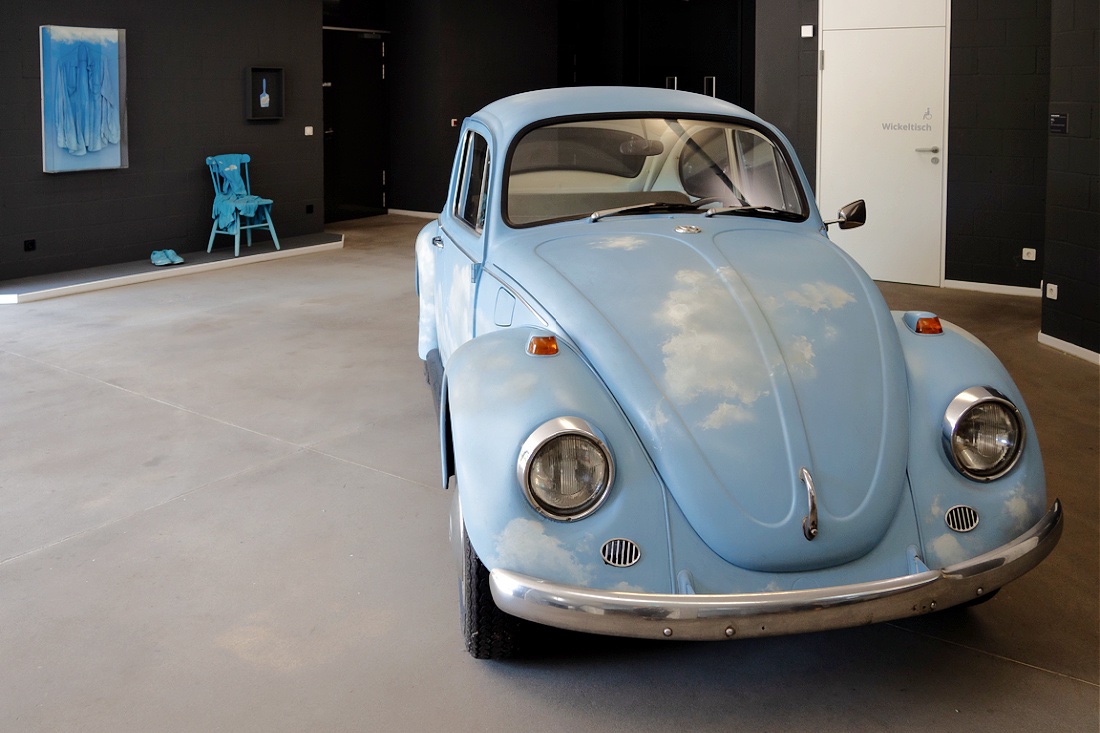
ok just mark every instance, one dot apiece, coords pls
pixel 929 325
pixel 542 346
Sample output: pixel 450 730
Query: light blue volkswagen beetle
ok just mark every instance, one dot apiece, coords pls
pixel 674 409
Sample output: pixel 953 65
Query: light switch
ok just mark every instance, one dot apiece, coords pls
pixel 807 31
pixel 309 130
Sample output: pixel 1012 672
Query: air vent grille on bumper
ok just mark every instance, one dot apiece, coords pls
pixel 961 518
pixel 620 553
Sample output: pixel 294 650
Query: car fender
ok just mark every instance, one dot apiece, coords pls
pixel 495 396
pixel 426 254
pixel 939 367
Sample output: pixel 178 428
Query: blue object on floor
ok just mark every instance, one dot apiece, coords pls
pixel 235 208
pixel 174 258
pixel 159 259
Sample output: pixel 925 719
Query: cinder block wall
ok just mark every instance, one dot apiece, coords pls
pixel 1072 245
pixel 445 60
pixel 185 86
pixel 996 176
pixel 786 74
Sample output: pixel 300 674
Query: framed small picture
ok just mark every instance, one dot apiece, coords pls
pixel 263 93
pixel 83 98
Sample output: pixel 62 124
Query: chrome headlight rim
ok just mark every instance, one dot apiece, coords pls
pixel 545 434
pixel 965 402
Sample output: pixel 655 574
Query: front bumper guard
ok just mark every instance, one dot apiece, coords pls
pixel 746 615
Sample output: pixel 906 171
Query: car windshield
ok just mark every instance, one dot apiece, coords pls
pixel 617 166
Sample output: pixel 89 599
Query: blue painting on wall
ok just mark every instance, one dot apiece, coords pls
pixel 83 98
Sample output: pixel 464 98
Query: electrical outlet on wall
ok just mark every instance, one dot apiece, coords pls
pixel 1029 254
pixel 1052 291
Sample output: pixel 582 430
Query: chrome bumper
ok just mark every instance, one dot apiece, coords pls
pixel 666 615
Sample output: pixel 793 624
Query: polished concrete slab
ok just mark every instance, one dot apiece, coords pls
pixel 219 511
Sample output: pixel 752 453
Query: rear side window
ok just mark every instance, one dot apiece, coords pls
pixel 473 186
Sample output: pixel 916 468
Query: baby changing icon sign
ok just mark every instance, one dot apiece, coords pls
pixel 928 114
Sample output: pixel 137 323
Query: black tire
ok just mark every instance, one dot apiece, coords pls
pixel 489 632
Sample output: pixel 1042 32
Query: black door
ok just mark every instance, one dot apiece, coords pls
pixel 355 126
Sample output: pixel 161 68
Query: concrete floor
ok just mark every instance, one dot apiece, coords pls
pixel 219 511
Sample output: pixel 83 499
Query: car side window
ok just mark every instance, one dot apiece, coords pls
pixel 473 188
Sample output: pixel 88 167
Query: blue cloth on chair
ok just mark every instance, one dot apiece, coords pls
pixel 235 208
pixel 233 195
pixel 225 207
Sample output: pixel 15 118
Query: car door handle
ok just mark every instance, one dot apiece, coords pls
pixel 438 241
pixel 928 150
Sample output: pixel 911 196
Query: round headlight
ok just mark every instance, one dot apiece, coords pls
pixel 983 433
pixel 565 469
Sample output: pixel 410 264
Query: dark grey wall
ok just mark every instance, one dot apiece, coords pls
pixel 184 83
pixel 421 139
pixel 1072 245
pixel 996 179
pixel 644 42
pixel 446 59
pixel 786 74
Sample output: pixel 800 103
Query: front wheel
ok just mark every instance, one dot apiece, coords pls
pixel 489 632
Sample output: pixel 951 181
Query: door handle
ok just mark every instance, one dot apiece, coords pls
pixel 438 241
pixel 929 150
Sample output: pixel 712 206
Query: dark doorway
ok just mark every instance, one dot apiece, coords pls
pixel 355 124
pixel 704 46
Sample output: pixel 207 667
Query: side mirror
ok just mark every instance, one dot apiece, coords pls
pixel 851 216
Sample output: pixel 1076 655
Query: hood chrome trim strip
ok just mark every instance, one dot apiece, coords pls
pixel 809 522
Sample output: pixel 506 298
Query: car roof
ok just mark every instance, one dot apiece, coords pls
pixel 505 117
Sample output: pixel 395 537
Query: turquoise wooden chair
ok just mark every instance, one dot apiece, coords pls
pixel 235 208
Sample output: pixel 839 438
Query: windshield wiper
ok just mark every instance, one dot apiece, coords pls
pixel 637 208
pixel 749 210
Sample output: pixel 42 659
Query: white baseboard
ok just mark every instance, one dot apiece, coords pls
pixel 418 214
pixel 990 288
pixel 159 273
pixel 1072 349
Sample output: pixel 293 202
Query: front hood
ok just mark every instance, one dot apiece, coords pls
pixel 742 356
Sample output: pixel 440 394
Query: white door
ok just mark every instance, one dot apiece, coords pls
pixel 882 133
